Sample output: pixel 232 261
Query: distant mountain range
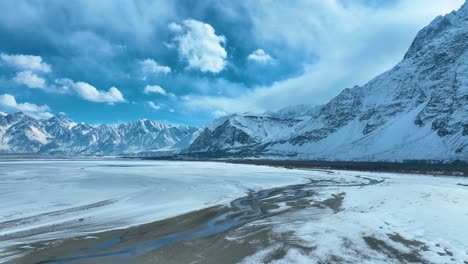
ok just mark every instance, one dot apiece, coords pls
pixel 20 133
pixel 416 110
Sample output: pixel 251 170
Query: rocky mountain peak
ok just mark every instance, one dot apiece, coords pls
pixel 440 27
pixel 61 120
pixel 464 8
pixel 60 135
pixel 416 110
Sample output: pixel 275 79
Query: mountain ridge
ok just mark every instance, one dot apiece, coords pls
pixel 20 133
pixel 418 110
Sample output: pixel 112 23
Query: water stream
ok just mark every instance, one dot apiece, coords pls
pixel 254 206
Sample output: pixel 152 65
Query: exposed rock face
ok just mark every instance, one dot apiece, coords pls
pixel 417 110
pixel 20 133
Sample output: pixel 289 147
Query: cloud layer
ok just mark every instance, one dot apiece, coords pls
pixel 353 43
pixel 215 57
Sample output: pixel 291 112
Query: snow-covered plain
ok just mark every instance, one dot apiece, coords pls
pixel 55 199
pixel 422 216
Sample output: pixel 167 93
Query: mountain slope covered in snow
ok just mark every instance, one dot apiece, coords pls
pixel 20 133
pixel 416 110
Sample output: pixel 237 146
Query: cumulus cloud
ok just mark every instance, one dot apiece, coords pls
pixel 8 102
pixel 260 56
pixel 153 105
pixel 174 27
pixel 154 89
pixel 149 66
pixel 30 79
pixel 90 93
pixel 198 45
pixel 26 62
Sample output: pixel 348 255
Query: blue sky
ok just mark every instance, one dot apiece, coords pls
pixel 187 62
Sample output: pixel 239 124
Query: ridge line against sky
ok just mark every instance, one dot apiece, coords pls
pixel 189 62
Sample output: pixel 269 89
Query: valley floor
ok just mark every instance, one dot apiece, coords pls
pixel 128 211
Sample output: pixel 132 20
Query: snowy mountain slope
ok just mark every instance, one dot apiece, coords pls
pixel 20 133
pixel 417 110
pixel 26 132
pixel 241 130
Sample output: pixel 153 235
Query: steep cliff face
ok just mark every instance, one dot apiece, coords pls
pixel 20 133
pixel 417 110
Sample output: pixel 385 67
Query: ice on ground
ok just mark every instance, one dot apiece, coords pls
pixel 423 218
pixel 405 217
pixel 56 199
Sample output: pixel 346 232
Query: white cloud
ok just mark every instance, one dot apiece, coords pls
pixel 174 27
pixel 218 113
pixel 150 66
pixel 220 106
pixel 8 101
pixel 90 93
pixel 154 106
pixel 261 56
pixel 26 62
pixel 30 79
pixel 65 85
pixel 172 110
pixel 169 45
pixel 354 43
pixel 198 44
pixel 154 89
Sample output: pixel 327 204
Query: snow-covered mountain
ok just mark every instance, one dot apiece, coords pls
pixel 20 133
pixel 417 110
pixel 237 130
